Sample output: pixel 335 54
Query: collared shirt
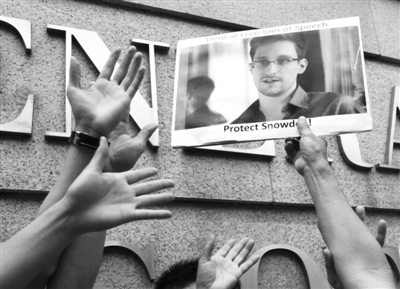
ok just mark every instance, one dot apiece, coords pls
pixel 311 104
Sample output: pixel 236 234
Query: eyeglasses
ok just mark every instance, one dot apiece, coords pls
pixel 279 62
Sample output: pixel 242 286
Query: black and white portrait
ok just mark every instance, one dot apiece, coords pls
pixel 268 78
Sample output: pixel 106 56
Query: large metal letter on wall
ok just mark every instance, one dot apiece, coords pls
pixel 146 255
pixel 392 254
pixel 22 125
pixel 316 279
pixel 139 108
pixel 350 150
pixel 98 53
pixel 391 141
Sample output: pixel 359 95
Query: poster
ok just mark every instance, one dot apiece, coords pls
pixel 254 85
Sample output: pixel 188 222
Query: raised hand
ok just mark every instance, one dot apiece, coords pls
pixel 98 201
pixel 311 152
pixel 333 278
pixel 101 107
pixel 224 269
pixel 125 150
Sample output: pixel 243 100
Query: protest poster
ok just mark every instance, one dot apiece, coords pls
pixel 254 85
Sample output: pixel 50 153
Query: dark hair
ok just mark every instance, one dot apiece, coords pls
pixel 180 275
pixel 298 39
pixel 200 87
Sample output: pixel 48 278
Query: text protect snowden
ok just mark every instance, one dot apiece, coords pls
pixel 261 126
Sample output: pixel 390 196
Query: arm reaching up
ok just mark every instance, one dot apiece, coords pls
pixel 358 258
pixel 102 109
pixel 81 261
pixel 95 201
pixel 333 278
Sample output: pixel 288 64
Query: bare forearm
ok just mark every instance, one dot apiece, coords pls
pixel 80 262
pixel 77 159
pixel 336 219
pixel 32 249
pixel 60 270
pixel 349 240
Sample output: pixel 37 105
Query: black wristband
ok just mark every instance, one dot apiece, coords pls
pixel 83 139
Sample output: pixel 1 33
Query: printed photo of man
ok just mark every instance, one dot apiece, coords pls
pixel 277 61
pixel 198 114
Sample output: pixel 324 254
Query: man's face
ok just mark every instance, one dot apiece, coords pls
pixel 276 80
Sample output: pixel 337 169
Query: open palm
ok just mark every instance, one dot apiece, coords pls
pixel 99 201
pixel 101 107
pixel 224 269
pixel 125 150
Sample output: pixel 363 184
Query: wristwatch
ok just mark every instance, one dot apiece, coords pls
pixel 80 138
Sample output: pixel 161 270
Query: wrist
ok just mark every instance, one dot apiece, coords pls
pixel 320 167
pixel 60 217
pixel 90 130
pixel 68 219
pixel 82 139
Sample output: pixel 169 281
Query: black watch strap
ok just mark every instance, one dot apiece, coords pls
pixel 83 139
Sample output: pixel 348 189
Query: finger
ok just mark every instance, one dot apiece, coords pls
pixel 291 149
pixel 152 214
pixel 136 83
pixel 225 248
pixel 108 68
pixel 74 73
pixel 207 251
pixel 303 127
pixel 288 139
pixel 288 159
pixel 146 132
pixel 249 263
pixel 244 252
pixel 381 232
pixel 133 70
pixel 124 66
pixel 237 249
pixel 152 186
pixel 330 267
pixel 153 200
pixel 360 211
pixel 100 157
pixel 138 175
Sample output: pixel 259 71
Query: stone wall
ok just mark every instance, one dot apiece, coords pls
pixel 228 195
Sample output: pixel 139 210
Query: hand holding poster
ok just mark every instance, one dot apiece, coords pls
pixel 254 85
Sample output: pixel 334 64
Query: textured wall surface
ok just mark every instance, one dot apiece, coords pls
pixel 33 164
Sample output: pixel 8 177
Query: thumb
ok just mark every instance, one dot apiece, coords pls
pixel 146 133
pixel 74 73
pixel 207 251
pixel 303 127
pixel 100 157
